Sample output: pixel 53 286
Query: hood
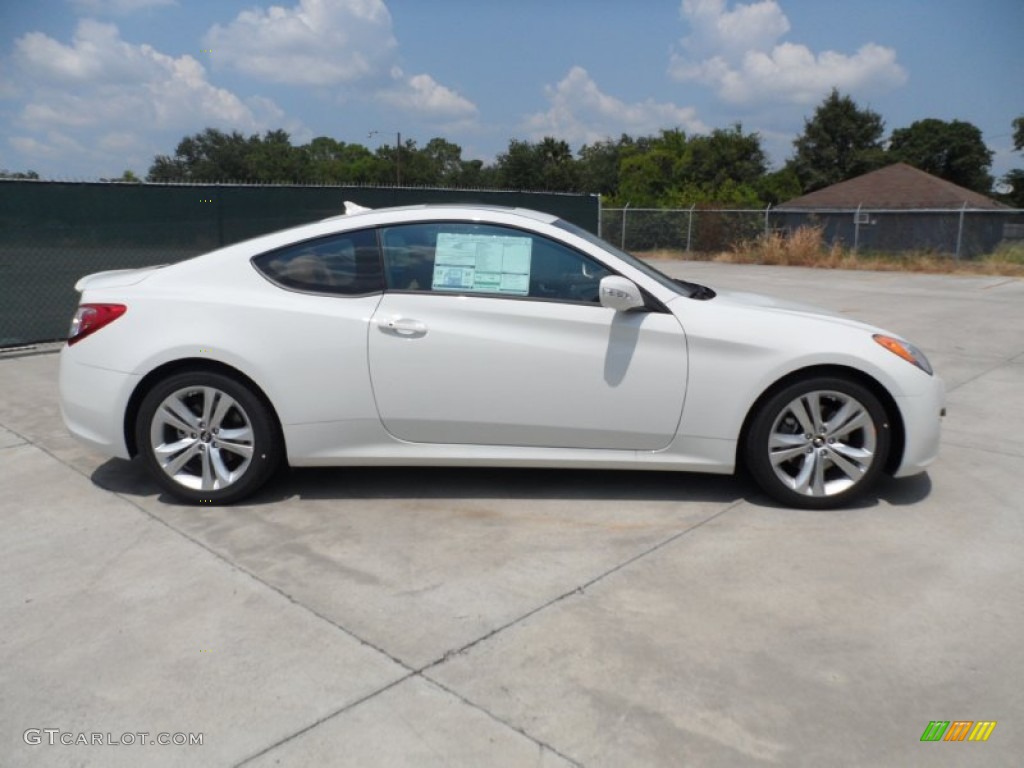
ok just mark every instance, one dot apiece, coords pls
pixel 758 301
pixel 115 278
pixel 744 299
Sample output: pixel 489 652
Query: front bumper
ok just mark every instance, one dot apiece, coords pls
pixel 922 422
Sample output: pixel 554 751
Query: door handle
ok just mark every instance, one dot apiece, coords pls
pixel 403 326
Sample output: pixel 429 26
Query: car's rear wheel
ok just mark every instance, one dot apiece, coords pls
pixel 818 443
pixel 207 438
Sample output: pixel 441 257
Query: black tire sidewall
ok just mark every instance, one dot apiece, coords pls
pixel 267 449
pixel 756 451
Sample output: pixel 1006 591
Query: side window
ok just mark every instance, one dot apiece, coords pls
pixel 347 265
pixel 486 259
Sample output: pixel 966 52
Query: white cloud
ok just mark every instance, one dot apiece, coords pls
pixel 425 95
pixel 84 100
pixel 117 7
pixel 345 44
pixel 101 79
pixel 740 53
pixel 581 113
pixel 317 42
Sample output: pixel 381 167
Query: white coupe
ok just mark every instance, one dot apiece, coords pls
pixel 468 335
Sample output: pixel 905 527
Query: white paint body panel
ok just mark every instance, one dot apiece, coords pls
pixel 489 381
pixel 498 371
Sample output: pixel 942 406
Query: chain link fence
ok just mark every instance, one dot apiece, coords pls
pixel 53 233
pixel 962 232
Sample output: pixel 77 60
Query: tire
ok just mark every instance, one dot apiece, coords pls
pixel 819 443
pixel 207 438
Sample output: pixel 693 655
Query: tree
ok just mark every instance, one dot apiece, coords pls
pixel 647 171
pixel 778 187
pixel 953 151
pixel 598 165
pixel 547 165
pixel 722 167
pixel 128 177
pixel 274 159
pixel 839 142
pixel 444 160
pixel 208 156
pixel 1015 178
pixel 5 174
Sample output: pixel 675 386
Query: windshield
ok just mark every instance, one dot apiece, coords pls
pixel 678 286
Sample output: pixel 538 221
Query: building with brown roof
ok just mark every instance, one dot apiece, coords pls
pixel 902 208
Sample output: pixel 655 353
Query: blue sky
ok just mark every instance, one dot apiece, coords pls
pixel 89 88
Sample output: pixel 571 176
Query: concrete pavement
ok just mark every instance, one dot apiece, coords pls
pixel 441 617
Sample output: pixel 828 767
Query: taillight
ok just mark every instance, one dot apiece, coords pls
pixel 91 317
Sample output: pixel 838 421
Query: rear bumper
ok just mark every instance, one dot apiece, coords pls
pixel 93 403
pixel 922 421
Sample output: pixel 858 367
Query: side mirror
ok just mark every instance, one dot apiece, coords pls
pixel 620 294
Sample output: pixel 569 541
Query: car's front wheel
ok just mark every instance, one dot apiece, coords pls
pixel 207 438
pixel 818 443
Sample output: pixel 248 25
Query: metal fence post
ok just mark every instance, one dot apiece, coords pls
pixel 622 244
pixel 689 227
pixel 960 231
pixel 766 212
pixel 856 228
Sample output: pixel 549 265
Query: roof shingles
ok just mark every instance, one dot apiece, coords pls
pixel 899 186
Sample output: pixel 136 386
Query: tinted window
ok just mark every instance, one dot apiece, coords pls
pixel 346 264
pixel 487 259
pixel 643 266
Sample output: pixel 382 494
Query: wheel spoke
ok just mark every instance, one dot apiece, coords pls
pixel 858 420
pixel 814 408
pixel 224 475
pixel 174 466
pixel 799 483
pixel 783 440
pixel 168 450
pixel 818 480
pixel 174 407
pixel 210 397
pixel 224 404
pixel 858 455
pixel 851 469
pixel 787 454
pixel 240 438
pixel 798 409
pixel 208 477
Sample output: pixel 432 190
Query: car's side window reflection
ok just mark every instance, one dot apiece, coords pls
pixel 484 259
pixel 346 264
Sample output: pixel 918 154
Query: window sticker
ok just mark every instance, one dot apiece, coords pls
pixel 485 263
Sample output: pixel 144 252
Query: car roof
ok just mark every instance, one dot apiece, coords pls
pixel 461 208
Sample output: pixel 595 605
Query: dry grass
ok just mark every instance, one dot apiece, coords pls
pixel 806 247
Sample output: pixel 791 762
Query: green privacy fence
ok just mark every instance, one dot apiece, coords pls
pixel 52 233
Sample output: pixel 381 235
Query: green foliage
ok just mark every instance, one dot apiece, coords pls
pixel 839 142
pixel 1015 178
pixel 779 186
pixel 547 165
pixel 726 168
pixel 5 174
pixel 599 163
pixel 953 151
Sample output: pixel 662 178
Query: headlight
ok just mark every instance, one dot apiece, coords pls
pixel 906 350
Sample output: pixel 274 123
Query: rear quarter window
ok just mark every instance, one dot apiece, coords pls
pixel 347 264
